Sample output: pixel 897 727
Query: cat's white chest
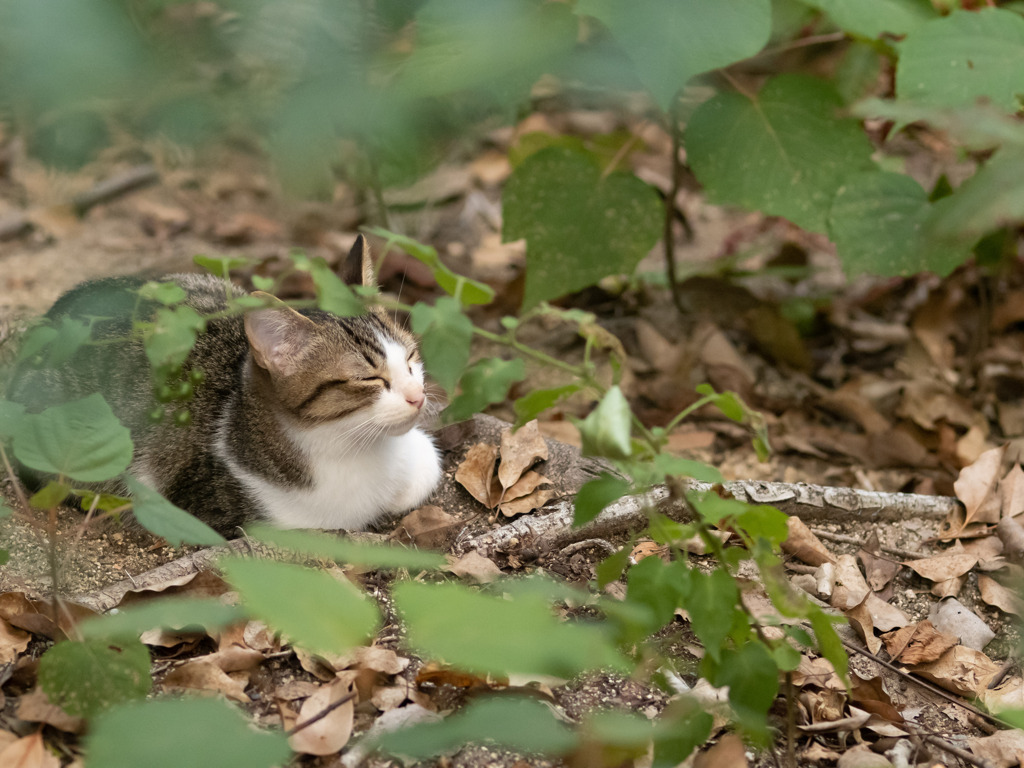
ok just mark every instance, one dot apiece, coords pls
pixel 353 484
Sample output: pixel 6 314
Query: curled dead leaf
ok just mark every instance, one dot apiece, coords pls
pixel 519 451
pixel 943 567
pixel 994 593
pixel 202 674
pixel 475 566
pixel 476 474
pixel 526 504
pixel 330 733
pixel 802 544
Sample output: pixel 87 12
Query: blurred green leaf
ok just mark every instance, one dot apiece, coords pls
pixel 220 266
pixel 173 733
pixel 466 290
pixel 50 495
pixel 504 637
pixel 878 223
pixel 105 502
pixel 580 225
pixel 682 727
pixel 964 57
pixel 513 722
pixel 170 337
pixel 670 41
pixel 753 680
pixel 712 602
pixel 82 440
pixel 783 151
pixel 311 607
pixel 606 430
pixel 332 294
pixel 161 518
pixel 175 613
pixel 10 417
pixel 87 677
pixel 873 18
pixel 485 382
pixel 167 292
pixel 764 522
pixel 445 335
pixel 345 550
pixel 531 405
pixel 597 494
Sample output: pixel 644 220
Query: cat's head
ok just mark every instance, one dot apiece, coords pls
pixel 363 371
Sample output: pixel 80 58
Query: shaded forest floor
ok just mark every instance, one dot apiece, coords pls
pixel 892 385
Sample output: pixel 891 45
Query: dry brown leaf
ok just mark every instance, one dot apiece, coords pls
pixel 35 707
pixel 961 670
pixel 645 549
pixel 473 565
pixel 295 689
pixel 428 527
pixel 943 567
pixel 476 474
pixel 1002 749
pixel 535 500
pixel 260 637
pixel 203 675
pixel 1011 534
pixel 850 589
pixel 729 752
pixel 1009 694
pixel 315 664
pixel 21 611
pixel 524 486
pixel 29 752
pixel 870 695
pixel 818 672
pixel 862 621
pixel 989 550
pixel 994 593
pixel 802 544
pixel 519 451
pixel 332 732
pixel 816 754
pixel 976 484
pixel 372 657
pixel 878 569
pixel 1011 491
pixel 198 584
pixel 918 644
pixel 13 641
pixel 660 353
pixel 167 638
pixel 388 697
pixel 949 587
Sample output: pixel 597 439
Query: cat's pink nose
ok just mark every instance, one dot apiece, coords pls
pixel 416 399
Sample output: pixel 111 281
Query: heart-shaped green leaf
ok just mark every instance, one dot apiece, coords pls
pixel 82 440
pixel 580 225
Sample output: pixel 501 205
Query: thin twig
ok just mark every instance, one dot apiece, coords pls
pixel 840 538
pixel 15 483
pixel 321 714
pixel 115 186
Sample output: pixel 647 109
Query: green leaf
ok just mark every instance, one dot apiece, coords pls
pixel 606 430
pixel 5 555
pixel 50 495
pixel 764 522
pixel 660 587
pixel 105 502
pixel 10 417
pixel 670 41
pixel 82 440
pixel 674 466
pixel 597 494
pixel 753 681
pixel 84 678
pixel 332 295
pixel 580 225
pixel 466 290
pixel 784 151
pixel 878 223
pixel 964 57
pixel 345 550
pixel 991 198
pixel 873 18
pixel 828 640
pixel 517 723
pixel 445 335
pixel 160 517
pixel 713 509
pixel 484 383
pixel 221 266
pixel 313 608
pixel 612 567
pixel 712 601
pixel 682 727
pixel 504 637
pixel 530 406
pixel 176 613
pixel 71 336
pixel 166 293
pixel 170 338
pixel 172 733
pixel 978 127
pixel 261 283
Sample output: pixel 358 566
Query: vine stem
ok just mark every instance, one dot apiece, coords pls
pixel 14 480
pixel 668 232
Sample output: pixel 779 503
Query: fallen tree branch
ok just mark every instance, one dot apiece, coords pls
pixel 532 535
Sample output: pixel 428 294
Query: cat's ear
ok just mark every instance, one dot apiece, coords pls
pixel 277 335
pixel 358 265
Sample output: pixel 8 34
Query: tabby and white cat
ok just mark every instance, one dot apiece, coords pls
pixel 302 419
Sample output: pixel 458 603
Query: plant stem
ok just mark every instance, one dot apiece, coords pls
pixel 668 232
pixel 541 357
pixel 14 480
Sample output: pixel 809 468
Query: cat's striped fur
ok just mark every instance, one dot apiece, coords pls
pixel 303 420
